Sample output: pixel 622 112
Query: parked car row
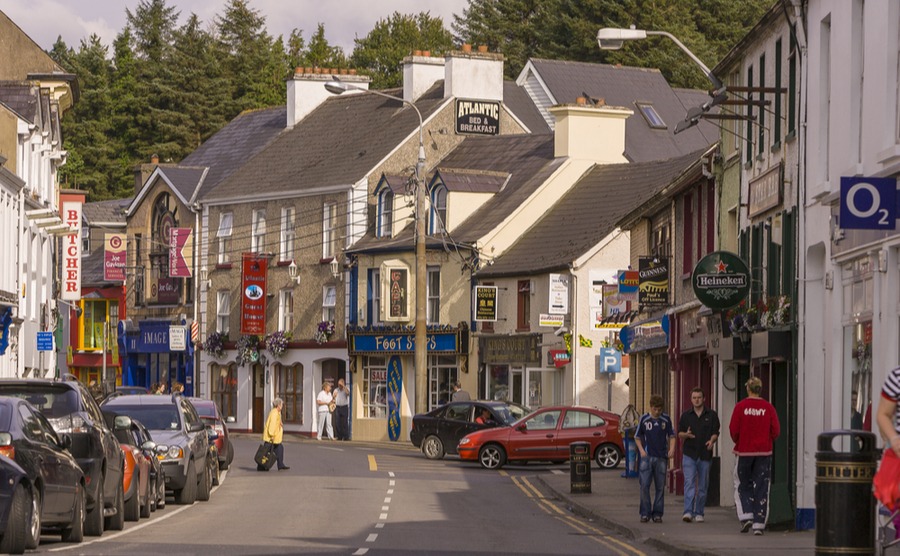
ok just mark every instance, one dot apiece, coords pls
pixel 494 433
pixel 71 466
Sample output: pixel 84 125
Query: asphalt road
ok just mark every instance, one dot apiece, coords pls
pixel 357 498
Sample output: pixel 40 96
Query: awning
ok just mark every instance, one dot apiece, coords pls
pixel 647 334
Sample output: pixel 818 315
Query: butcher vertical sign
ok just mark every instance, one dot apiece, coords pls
pixel 114 254
pixel 70 289
pixel 253 295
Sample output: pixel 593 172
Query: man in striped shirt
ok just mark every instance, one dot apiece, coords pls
pixel 889 411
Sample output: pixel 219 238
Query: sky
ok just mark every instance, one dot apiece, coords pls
pixel 345 20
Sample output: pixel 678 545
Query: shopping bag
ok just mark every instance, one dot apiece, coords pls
pixel 886 485
pixel 265 455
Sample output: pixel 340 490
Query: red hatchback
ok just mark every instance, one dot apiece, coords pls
pixel 209 413
pixel 545 435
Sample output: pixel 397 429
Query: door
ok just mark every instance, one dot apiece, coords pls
pixel 781 506
pixel 457 422
pixel 537 440
pixel 259 392
pixel 516 386
pixel 34 447
pixel 580 426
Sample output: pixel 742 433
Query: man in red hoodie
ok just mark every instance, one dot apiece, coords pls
pixel 754 426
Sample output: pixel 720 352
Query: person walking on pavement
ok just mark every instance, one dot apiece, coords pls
pixel 342 411
pixel 754 427
pixel 274 433
pixel 655 440
pixel 459 395
pixel 698 428
pixel 324 401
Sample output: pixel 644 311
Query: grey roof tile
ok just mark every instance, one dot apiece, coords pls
pixel 185 179
pixel 519 103
pixel 112 210
pixel 472 181
pixel 21 98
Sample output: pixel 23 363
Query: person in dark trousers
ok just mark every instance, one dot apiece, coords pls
pixel 274 433
pixel 459 395
pixel 754 427
pixel 655 440
pixel 342 411
pixel 698 429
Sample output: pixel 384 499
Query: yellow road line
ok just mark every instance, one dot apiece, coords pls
pixel 373 465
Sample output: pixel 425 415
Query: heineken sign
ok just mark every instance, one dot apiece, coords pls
pixel 721 280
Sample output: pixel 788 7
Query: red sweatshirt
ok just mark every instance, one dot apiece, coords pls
pixel 754 425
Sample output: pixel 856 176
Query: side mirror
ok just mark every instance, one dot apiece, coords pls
pixel 522 428
pixel 230 419
pixel 65 441
pixel 122 423
pixel 211 433
pixel 197 427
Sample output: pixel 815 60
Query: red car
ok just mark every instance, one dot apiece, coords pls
pixel 136 479
pixel 210 415
pixel 545 435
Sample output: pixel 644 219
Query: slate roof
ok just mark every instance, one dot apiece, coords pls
pixel 21 98
pixel 527 159
pixel 586 214
pixel 106 211
pixel 624 86
pixel 472 181
pixel 184 179
pixel 336 144
pixel 237 142
pixel 92 269
pixel 519 103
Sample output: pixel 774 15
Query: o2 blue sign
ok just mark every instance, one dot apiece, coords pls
pixel 868 203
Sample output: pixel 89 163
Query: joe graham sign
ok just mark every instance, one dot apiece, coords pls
pixel 721 280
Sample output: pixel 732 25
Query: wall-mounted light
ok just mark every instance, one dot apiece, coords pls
pixel 204 278
pixel 335 268
pixel 294 272
pixel 745 337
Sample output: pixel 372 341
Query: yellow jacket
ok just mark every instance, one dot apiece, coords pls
pixel 274 430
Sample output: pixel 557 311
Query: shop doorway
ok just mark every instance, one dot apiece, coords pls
pixel 259 397
pixel 332 370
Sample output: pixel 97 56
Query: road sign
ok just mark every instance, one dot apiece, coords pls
pixel 45 341
pixel 868 203
pixel 610 361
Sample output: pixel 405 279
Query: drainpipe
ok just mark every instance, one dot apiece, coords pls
pixel 575 343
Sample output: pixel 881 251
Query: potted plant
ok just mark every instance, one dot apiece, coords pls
pixel 277 342
pixel 215 344
pixel 324 331
pixel 248 350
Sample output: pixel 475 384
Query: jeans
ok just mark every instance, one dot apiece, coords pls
pixel 325 424
pixel 696 484
pixel 752 474
pixel 341 423
pixel 652 469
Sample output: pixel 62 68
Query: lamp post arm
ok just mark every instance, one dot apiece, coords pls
pixel 719 87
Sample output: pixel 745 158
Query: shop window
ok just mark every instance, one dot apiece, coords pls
pixel 433 308
pixel 374 387
pixel 258 234
pixel 329 300
pixel 289 387
pixel 523 305
pixel 223 311
pixel 224 235
pixel 224 389
pixel 94 315
pixel 443 371
pixel 286 246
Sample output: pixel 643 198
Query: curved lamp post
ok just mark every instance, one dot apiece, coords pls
pixel 336 86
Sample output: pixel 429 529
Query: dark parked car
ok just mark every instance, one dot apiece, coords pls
pixel 209 412
pixel 130 390
pixel 172 420
pixel 58 496
pixel 15 506
pixel 545 435
pixel 70 408
pixel 440 430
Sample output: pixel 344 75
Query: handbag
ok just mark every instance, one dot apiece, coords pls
pixel 886 484
pixel 265 455
pixel 331 406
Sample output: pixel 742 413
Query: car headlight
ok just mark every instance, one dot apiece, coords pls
pixel 174 453
pixel 465 441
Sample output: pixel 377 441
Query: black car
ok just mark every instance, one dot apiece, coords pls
pixel 15 506
pixel 172 420
pixel 71 410
pixel 58 497
pixel 132 433
pixel 439 431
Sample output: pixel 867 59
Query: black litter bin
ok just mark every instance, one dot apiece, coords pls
pixel 580 467
pixel 845 507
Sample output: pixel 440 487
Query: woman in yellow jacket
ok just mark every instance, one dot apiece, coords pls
pixel 274 433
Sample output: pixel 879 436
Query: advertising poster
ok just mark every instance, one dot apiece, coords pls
pixel 559 294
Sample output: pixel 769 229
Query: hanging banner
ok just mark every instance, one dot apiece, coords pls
pixel 394 388
pixel 114 257
pixel 559 294
pixel 253 294
pixel 485 303
pixel 181 252
pixel 70 210
pixel 653 285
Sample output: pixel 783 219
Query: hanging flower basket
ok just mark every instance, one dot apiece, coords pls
pixel 215 344
pixel 248 350
pixel 277 342
pixel 324 331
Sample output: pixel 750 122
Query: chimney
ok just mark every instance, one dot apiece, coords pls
pixel 306 91
pixel 420 72
pixel 588 132
pixel 476 75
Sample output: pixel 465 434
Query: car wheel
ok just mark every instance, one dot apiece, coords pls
pixel 492 456
pixel 75 531
pixel 133 504
pixel 608 456
pixel 116 522
pixel 93 522
pixel 147 506
pixel 161 493
pixel 205 482
pixel 433 448
pixel 230 457
pixel 17 525
pixel 34 530
pixel 188 495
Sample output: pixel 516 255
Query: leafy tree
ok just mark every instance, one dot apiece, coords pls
pixel 320 54
pixel 381 52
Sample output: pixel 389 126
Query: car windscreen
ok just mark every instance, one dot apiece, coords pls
pixel 205 410
pixel 53 402
pixel 509 414
pixel 154 417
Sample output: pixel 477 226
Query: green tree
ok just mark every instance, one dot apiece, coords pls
pixel 321 54
pixel 380 53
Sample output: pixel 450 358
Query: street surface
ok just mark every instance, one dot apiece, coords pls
pixel 357 498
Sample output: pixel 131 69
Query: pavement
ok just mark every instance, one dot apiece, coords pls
pixel 614 503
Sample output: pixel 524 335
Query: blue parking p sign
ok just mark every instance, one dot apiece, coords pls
pixel 610 361
pixel 868 203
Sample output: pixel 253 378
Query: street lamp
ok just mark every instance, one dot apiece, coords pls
pixel 610 38
pixel 336 86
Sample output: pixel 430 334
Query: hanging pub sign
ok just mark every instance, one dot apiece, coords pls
pixel 181 252
pixel 628 284
pixel 70 287
pixel 721 280
pixel 253 295
pixel 394 389
pixel 653 284
pixel 114 256
pixel 485 303
pixel 477 117
pixel 559 294
pixel 398 294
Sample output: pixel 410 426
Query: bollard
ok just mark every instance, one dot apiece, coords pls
pixel 580 466
pixel 631 454
pixel 845 507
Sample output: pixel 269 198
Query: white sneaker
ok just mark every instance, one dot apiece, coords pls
pixel 698 519
pixel 686 517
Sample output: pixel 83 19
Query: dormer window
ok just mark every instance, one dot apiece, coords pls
pixel 385 212
pixel 438 209
pixel 651 116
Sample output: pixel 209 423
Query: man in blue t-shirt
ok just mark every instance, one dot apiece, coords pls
pixel 655 440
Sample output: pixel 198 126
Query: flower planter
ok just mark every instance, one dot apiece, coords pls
pixel 772 344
